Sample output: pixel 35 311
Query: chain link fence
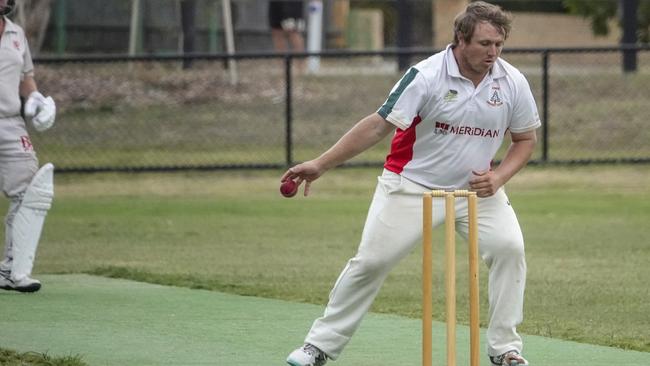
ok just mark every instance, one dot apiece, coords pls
pixel 270 111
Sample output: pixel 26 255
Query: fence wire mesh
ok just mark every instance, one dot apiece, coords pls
pixel 596 111
pixel 158 113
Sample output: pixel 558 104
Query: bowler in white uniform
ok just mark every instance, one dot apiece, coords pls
pixel 448 115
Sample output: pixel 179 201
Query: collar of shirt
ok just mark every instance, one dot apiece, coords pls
pixel 10 27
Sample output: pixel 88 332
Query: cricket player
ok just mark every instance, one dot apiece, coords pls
pixel 448 115
pixel 29 189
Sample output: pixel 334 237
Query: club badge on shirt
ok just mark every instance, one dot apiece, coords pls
pixel 27 143
pixel 451 95
pixel 495 99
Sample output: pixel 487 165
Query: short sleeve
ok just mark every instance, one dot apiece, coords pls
pixel 405 100
pixel 525 116
pixel 28 65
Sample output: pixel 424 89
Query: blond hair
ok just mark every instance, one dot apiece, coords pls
pixel 477 12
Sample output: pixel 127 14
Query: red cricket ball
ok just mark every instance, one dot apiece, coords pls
pixel 289 188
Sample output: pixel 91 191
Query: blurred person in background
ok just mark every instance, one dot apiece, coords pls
pixel 448 116
pixel 287 23
pixel 28 188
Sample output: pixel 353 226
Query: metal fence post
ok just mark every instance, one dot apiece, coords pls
pixel 188 25
pixel 404 37
pixel 60 22
pixel 629 22
pixel 288 114
pixel 545 91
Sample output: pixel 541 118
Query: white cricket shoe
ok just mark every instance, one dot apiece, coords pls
pixel 307 355
pixel 510 358
pixel 25 284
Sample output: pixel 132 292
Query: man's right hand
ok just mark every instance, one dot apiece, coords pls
pixel 308 172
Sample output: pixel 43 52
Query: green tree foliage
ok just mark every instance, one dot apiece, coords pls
pixel 602 11
pixel 644 21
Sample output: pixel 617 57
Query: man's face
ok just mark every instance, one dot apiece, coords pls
pixel 480 53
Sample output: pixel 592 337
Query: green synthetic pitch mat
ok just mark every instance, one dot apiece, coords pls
pixel 121 322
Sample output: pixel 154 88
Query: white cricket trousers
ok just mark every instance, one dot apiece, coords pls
pixel 392 229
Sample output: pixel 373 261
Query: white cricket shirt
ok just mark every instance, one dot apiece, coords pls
pixel 15 64
pixel 446 127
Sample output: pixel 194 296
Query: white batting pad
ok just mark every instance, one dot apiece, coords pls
pixel 29 220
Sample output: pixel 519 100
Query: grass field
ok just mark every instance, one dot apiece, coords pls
pixel 585 228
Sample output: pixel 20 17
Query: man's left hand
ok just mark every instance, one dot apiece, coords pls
pixel 486 183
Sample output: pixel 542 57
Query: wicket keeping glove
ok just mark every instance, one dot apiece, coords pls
pixel 41 110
